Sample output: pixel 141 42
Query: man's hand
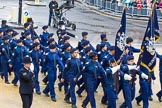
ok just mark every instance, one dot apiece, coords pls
pixel 75 79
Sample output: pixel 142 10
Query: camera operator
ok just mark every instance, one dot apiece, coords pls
pixel 52 5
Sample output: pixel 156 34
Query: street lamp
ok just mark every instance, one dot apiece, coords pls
pixel 20 12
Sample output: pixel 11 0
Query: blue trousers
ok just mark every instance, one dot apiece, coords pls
pixel 127 95
pixel 36 81
pixel 81 89
pixel 144 93
pixel 111 97
pixel 50 17
pixel 71 90
pixel 90 84
pixel 51 82
pixel 5 69
pixel 16 70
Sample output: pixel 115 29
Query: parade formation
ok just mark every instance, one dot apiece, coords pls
pixel 85 66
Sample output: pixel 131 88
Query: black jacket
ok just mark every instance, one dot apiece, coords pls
pixel 53 5
pixel 26 81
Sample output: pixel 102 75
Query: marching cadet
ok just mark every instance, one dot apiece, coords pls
pixel 31 28
pixel 4 26
pixel 13 41
pixel 85 44
pixel 19 52
pixel 52 59
pixel 1 35
pixel 83 60
pixel 129 41
pixel 26 83
pixel 103 41
pixel 5 58
pixel 65 55
pixel 128 83
pixel 73 69
pixel 27 41
pixel 84 38
pixel 102 53
pixel 61 36
pixel 26 29
pixel 44 35
pixel 159 94
pixel 90 74
pixel 9 33
pixel 36 58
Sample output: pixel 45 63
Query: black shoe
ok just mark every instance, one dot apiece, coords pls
pixel 74 106
pixel 53 99
pixel 67 101
pixel 79 95
pixel 38 93
pixel 117 97
pixel 84 106
pixel 46 94
pixel 150 98
pixel 1 76
pixel 159 98
pixel 138 102
pixel 78 85
pixel 15 84
pixel 104 103
pixel 7 82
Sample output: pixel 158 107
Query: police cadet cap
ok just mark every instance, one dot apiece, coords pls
pixel 102 45
pixel 92 54
pixel 111 48
pixel 66 45
pixel 52 46
pixel 35 44
pixel 9 30
pixel 130 57
pixel 15 33
pixel 85 42
pixel 73 50
pixel 27 60
pixel 63 32
pixel 51 40
pixel 44 27
pixel 66 38
pixel 112 60
pixel 61 23
pixel 50 35
pixel 5 37
pixel 19 40
pixel 4 21
pixel 84 33
pixel 87 49
pixel 26 24
pixel 34 37
pixel 27 33
pixel 129 39
pixel 124 68
pixel 103 35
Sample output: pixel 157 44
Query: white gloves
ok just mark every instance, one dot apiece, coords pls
pixel 144 76
pixel 32 67
pixel 131 67
pixel 114 69
pixel 127 77
pixel 76 37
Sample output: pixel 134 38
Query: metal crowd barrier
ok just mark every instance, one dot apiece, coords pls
pixel 116 9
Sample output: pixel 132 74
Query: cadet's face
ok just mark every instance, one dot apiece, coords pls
pixel 105 48
pixel 69 48
pixel 1 34
pixel 75 54
pixel 20 44
pixel 27 65
pixel 85 37
pixel 130 62
pixel 113 64
pixel 112 52
pixel 53 50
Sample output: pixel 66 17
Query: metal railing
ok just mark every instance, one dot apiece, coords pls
pixel 115 8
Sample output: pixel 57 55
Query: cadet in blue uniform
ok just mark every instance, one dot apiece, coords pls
pixel 128 86
pixel 102 53
pixel 4 26
pixel 84 38
pixel 52 59
pixel 73 69
pixel 36 58
pixel 159 94
pixel 90 74
pixel 19 52
pixel 26 83
pixel 31 28
pixel 44 35
pixel 26 29
pixel 1 35
pixel 129 41
pixel 13 41
pixel 9 33
pixel 64 57
pixel 27 41
pixel 103 41
pixel 5 57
